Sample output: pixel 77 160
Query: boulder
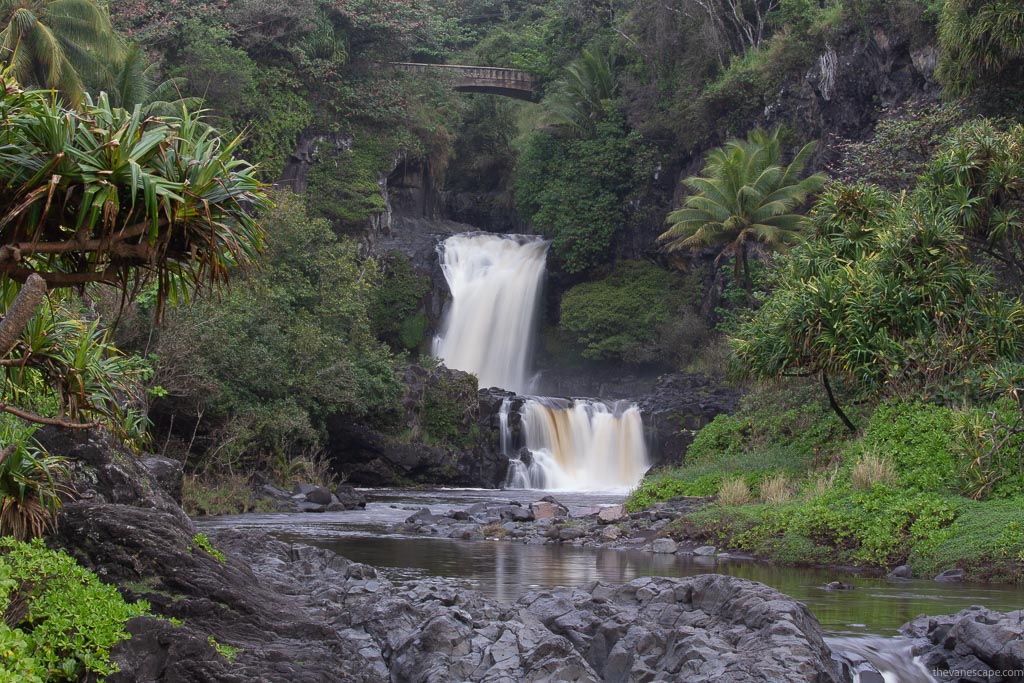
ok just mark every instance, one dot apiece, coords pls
pixel 664 546
pixel 313 494
pixel 951 576
pixel 349 498
pixel 612 514
pixel 976 638
pixel 548 508
pixel 700 629
pixel 901 572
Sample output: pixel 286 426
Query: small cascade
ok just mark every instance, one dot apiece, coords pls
pixel 495 281
pixel 877 659
pixel 577 444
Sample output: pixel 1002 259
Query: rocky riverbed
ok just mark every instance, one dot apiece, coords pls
pixel 549 521
pixel 266 610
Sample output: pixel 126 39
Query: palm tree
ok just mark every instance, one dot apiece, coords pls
pixel 56 44
pixel 746 196
pixel 578 99
pixel 129 81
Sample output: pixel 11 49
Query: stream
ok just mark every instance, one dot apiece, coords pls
pixel 864 621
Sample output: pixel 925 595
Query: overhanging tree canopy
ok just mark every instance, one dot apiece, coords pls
pixel 98 194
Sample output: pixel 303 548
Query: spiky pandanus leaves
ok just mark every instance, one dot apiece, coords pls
pixel 981 44
pixel 883 298
pixel 745 196
pixel 57 44
pixel 976 180
pixel 102 194
pixel 31 482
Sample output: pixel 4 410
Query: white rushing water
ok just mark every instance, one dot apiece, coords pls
pixel 495 281
pixel 580 445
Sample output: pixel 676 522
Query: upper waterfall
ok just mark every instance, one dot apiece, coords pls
pixel 495 281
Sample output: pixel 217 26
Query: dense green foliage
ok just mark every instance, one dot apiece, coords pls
pixel 291 344
pixel 884 298
pixel 747 196
pixel 625 316
pixel 395 309
pixel 59 621
pixel 981 46
pixel 575 190
pixel 833 515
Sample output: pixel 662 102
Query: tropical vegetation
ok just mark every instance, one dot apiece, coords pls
pixel 746 197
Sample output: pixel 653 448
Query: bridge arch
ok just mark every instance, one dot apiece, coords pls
pixel 494 80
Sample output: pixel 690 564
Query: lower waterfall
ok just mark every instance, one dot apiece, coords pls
pixel 578 444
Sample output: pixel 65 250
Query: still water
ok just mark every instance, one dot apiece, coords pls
pixel 505 570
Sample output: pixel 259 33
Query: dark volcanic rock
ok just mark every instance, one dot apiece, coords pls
pixel 349 498
pixel 698 629
pixel 470 456
pixel 974 639
pixel 678 406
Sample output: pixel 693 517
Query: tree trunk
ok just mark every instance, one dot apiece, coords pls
pixel 835 406
pixel 24 307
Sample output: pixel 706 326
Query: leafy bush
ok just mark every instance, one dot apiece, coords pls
pixel 623 316
pixel 920 440
pixel 986 540
pixel 575 190
pixel 395 304
pixel 288 347
pixel 60 621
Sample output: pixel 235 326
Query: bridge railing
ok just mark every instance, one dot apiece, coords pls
pixel 495 73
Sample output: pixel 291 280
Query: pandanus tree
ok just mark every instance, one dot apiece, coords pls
pixel 746 195
pixel 110 196
pixel 56 44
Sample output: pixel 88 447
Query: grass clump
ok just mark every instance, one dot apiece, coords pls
pixel 776 489
pixel 871 470
pixel 734 492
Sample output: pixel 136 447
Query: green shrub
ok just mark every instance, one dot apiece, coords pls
pixel 60 621
pixel 920 440
pixel 622 316
pixel 202 542
pixel 395 303
pixel 344 184
pixel 575 190
pixel 986 540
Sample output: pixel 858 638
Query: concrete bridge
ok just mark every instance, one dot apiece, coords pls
pixel 494 80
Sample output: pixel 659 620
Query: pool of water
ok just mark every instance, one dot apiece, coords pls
pixel 506 570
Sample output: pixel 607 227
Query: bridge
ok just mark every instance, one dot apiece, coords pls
pixel 494 80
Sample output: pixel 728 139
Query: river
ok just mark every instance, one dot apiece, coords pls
pixel 506 570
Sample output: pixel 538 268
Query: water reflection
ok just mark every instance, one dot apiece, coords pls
pixel 506 571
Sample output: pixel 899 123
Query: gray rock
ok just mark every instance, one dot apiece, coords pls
pixel 704 550
pixel 570 533
pixel 612 514
pixel 548 508
pixel 901 572
pixel 304 506
pixel 664 546
pixel 349 497
pixel 313 494
pixel 951 576
pixel 611 533
pixel 976 638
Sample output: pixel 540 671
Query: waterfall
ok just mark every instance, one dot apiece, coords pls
pixel 495 281
pixel 578 444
